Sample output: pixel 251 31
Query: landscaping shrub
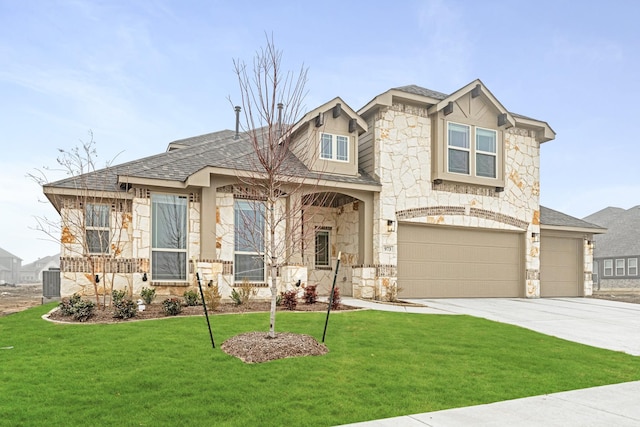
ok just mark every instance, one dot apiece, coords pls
pixel 125 309
pixel 290 299
pixel 191 298
pixel 172 306
pixel 310 294
pixel 81 310
pixel 212 296
pixel 148 295
pixel 335 303
pixel 117 296
pixel 243 293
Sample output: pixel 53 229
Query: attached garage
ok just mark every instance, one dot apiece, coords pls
pixel 561 261
pixel 450 262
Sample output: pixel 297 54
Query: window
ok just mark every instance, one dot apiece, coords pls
pixel 323 258
pixel 334 147
pixel 595 274
pixel 619 267
pixel 632 266
pixel 168 237
pixel 96 217
pixel 460 151
pixel 249 241
pixel 608 267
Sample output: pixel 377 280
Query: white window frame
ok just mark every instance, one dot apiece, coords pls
pixel 336 142
pixel 632 266
pixel 319 263
pixel 472 150
pixel 620 266
pixel 607 268
pixel 595 275
pixel 256 249
pixel 181 245
pixel 95 224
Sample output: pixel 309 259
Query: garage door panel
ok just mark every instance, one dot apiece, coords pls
pixel 454 262
pixel 560 266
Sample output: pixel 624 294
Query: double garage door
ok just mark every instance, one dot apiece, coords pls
pixel 449 262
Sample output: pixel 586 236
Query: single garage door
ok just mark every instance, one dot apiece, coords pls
pixel 448 262
pixel 560 266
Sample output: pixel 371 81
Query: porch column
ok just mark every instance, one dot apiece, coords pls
pixel 365 242
pixel 208 216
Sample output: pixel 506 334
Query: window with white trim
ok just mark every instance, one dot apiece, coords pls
pixel 608 268
pixel 632 266
pixel 595 274
pixel 168 237
pixel 96 221
pixel 249 226
pixel 334 147
pixel 322 257
pixel 619 267
pixel 460 151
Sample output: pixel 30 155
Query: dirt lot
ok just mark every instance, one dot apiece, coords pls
pixel 15 298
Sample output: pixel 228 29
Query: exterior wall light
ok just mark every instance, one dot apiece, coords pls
pixel 591 244
pixel 144 277
pixel 535 237
pixel 97 279
pixel 391 226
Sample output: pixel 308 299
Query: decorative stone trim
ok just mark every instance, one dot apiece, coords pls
pixel 521 132
pixel 117 205
pixel 145 193
pixel 475 190
pixel 172 284
pixel 409 109
pixel 108 265
pixel 461 210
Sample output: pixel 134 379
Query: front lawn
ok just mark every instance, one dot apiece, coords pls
pixel 380 364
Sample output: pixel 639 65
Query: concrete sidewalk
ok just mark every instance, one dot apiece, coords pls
pixel 599 323
pixel 610 405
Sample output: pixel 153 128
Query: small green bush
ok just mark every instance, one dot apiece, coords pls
pixel 81 310
pixel 244 293
pixel 172 306
pixel 125 309
pixel 310 294
pixel 148 295
pixel 191 298
pixel 235 297
pixel 290 299
pixel 117 296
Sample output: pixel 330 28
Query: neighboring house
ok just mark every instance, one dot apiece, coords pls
pixel 9 267
pixel 617 253
pixel 437 195
pixel 32 273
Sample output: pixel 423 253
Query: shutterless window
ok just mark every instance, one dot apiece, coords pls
pixel 322 248
pixel 619 267
pixel 595 274
pixel 486 153
pixel 96 217
pixel 632 266
pixel 168 237
pixel 334 147
pixel 249 241
pixel 458 148
pixel 608 267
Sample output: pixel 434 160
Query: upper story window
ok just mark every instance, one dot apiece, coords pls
pixel 334 147
pixel 608 267
pixel 477 159
pixel 96 217
pixel 620 267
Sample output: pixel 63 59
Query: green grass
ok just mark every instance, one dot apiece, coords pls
pixel 380 364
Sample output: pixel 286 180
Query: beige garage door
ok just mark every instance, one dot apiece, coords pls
pixel 446 262
pixel 560 266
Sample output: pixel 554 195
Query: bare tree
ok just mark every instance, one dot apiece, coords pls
pixel 271 198
pixel 94 217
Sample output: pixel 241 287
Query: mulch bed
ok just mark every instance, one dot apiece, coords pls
pixel 251 347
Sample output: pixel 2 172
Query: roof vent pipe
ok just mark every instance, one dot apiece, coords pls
pixel 237 108
pixel 280 106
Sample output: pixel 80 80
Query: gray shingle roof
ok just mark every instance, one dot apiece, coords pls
pixel 623 232
pixel 218 149
pixel 559 219
pixel 417 90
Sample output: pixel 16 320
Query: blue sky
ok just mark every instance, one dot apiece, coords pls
pixel 140 74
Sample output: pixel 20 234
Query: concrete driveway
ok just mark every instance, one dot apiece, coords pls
pixel 599 323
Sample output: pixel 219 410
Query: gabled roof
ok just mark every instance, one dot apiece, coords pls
pixel 311 115
pixel 623 235
pixel 6 254
pixel 437 100
pixel 552 219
